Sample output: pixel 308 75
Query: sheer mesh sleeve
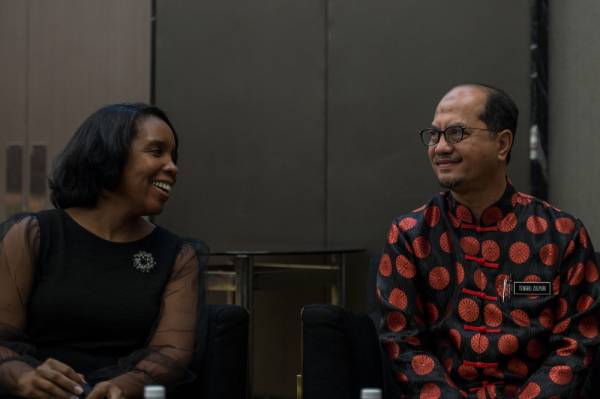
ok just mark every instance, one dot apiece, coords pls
pixel 19 248
pixel 172 343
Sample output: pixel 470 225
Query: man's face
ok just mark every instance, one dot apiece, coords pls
pixel 471 163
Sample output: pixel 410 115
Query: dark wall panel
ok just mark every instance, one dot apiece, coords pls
pixel 243 82
pixel 390 62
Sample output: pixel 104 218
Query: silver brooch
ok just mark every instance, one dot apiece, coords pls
pixel 143 262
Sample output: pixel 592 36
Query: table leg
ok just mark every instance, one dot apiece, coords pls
pixel 341 278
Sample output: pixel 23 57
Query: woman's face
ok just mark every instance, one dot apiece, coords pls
pixel 150 171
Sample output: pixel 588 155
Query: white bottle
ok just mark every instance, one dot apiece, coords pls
pixel 154 392
pixel 370 393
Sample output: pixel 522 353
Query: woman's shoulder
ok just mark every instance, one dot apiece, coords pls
pixel 20 222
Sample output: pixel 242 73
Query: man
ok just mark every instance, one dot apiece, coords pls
pixel 485 291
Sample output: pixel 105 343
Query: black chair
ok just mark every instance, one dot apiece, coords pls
pixel 221 363
pixel 340 353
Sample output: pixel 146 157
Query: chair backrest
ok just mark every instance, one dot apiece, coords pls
pixel 221 360
pixel 340 353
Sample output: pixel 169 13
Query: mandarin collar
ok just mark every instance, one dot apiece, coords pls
pixel 490 216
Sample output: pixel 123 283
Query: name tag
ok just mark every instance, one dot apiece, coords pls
pixel 532 288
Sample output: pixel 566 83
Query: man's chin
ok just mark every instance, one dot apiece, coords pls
pixel 448 183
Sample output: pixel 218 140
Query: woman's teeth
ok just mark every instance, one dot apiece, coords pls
pixel 163 186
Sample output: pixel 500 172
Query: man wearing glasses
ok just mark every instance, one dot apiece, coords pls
pixel 485 291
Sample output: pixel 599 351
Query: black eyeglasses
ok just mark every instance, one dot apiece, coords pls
pixel 452 134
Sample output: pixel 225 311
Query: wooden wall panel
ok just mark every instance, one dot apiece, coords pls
pixel 13 92
pixel 82 55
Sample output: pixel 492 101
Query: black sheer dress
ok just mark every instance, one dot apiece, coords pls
pixel 120 311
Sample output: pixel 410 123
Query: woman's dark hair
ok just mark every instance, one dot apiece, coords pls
pixel 93 160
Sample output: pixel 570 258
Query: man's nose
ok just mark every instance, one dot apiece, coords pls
pixel 443 147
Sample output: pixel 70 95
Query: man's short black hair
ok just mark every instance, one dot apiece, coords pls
pixel 94 158
pixel 500 111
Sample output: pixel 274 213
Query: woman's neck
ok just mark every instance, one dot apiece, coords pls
pixel 111 223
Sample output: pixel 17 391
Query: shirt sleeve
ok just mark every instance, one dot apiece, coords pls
pixel 575 333
pixel 19 247
pixel 172 344
pixel 403 330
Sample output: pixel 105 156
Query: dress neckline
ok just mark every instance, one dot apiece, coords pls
pixel 85 231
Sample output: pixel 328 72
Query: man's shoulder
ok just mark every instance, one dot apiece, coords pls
pixel 537 209
pixel 421 215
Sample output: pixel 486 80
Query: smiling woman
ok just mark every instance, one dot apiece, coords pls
pixel 93 297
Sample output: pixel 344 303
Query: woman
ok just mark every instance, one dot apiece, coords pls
pixel 93 295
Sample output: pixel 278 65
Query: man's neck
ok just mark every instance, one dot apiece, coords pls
pixel 478 200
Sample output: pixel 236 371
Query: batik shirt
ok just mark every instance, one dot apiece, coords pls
pixel 502 307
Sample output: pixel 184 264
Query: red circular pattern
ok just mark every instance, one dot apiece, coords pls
pixel 561 374
pixel 520 317
pixel 588 327
pixel 432 312
pixel 422 247
pixel 546 318
pixel 584 302
pixel 393 349
pixel 445 243
pixel 562 307
pixel 419 209
pixel 455 338
pixel 536 224
pixel 491 215
pixel 570 249
pixel 556 285
pixel 519 252
pixel 531 391
pixel 591 272
pixel 432 215
pixel 448 362
pixel 493 372
pixel 508 344
pixel 470 245
pixel 480 279
pixel 576 274
pixel 385 265
pixel 517 367
pixel 398 298
pixel 439 278
pixel 564 225
pixel 561 326
pixel 407 223
pixel 393 234
pixel 412 340
pixel 492 315
pixel 535 350
pixel 468 310
pixel 479 343
pixel 460 273
pixel 500 286
pixel 430 391
pixel 568 347
pixel 454 220
pixel 490 250
pixel 405 267
pixel 464 214
pixel 467 372
pixel 508 223
pixel 583 238
pixel 422 364
pixel 402 377
pixel 396 321
pixel 549 254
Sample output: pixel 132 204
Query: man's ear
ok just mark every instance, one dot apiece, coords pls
pixel 504 139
